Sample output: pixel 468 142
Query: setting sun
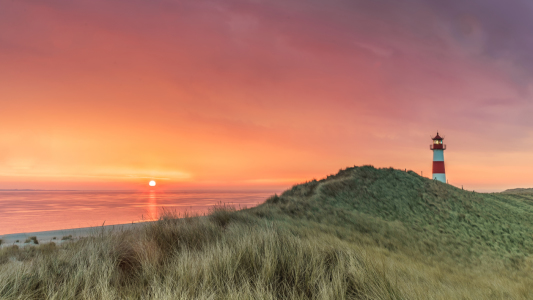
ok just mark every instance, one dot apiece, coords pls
pixel 152 183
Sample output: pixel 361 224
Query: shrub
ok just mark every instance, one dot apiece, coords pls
pixel 273 199
pixel 47 248
pixel 32 238
pixel 191 233
pixel 222 215
pixel 8 252
pixel 66 237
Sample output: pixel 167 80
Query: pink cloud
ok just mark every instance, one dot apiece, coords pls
pixel 244 90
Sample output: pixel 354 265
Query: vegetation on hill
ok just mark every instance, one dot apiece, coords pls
pixel 519 191
pixel 403 210
pixel 363 233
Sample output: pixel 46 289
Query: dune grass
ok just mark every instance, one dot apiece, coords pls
pixel 402 209
pixel 32 239
pixel 361 234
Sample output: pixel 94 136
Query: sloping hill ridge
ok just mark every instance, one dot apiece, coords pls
pixel 519 191
pixel 398 209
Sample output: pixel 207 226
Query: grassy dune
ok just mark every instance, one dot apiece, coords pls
pixel 363 233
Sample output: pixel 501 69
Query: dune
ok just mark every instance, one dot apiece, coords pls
pixel 363 233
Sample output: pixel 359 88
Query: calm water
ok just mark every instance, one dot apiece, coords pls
pixel 30 211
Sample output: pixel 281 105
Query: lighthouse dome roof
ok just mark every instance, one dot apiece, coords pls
pixel 437 137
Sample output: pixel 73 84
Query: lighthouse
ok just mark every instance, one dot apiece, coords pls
pixel 438 158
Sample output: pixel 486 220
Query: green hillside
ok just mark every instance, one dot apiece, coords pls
pixel 363 233
pixel 404 210
pixel 519 191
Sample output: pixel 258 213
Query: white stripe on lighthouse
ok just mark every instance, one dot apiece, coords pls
pixel 438 155
pixel 440 177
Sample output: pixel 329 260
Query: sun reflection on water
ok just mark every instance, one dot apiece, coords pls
pixel 32 211
pixel 152 205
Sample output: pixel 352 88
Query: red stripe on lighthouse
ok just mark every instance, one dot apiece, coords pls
pixel 438 167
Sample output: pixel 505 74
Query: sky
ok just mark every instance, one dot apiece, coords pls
pixel 256 94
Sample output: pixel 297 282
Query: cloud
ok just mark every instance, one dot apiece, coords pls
pixel 264 86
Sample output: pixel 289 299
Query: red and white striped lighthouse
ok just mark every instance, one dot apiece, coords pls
pixel 438 158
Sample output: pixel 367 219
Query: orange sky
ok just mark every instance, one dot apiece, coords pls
pixel 261 94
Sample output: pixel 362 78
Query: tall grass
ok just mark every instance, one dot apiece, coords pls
pixel 223 256
pixel 319 240
pixel 247 258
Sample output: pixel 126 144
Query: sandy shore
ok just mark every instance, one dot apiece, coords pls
pixel 57 236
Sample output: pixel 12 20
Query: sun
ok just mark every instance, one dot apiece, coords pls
pixel 152 183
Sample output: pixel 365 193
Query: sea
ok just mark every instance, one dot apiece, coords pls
pixel 34 211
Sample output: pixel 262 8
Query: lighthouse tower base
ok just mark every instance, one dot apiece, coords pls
pixel 440 177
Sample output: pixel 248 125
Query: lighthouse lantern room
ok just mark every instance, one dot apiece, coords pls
pixel 438 158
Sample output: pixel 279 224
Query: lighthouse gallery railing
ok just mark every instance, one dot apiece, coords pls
pixel 438 147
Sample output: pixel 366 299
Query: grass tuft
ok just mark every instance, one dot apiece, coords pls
pixel 30 239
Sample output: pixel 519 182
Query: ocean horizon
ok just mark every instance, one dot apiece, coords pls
pixel 23 211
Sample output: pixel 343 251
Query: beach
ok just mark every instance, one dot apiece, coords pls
pixel 58 236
